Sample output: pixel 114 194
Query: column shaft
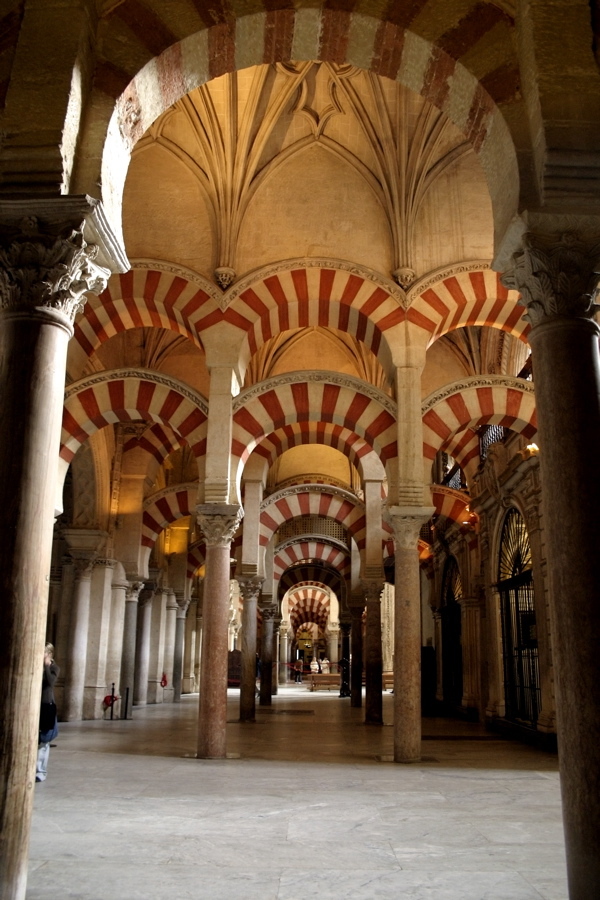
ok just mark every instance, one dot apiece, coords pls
pixel 76 659
pixel 212 718
pixel 266 658
pixel 129 642
pixel 249 591
pixel 356 670
pixel 373 660
pixel 179 652
pixel 142 652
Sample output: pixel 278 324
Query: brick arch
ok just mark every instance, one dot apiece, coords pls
pixel 339 36
pixel 452 505
pixel 285 505
pixel 326 397
pixel 152 294
pixel 465 294
pixel 158 440
pixel 303 293
pixel 195 559
pixel 128 395
pixel 490 399
pixel 308 605
pixel 165 507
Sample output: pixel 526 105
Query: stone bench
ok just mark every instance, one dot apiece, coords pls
pixel 319 680
pixel 387 681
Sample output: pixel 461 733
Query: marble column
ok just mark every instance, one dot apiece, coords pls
pixel 334 638
pixel 406 523
pixel 275 668
pixel 142 648
pixel 555 273
pixel 169 656
pixel 114 654
pixel 178 653
pixel 249 590
pixel 373 655
pixel 199 634
pixel 356 669
pixel 188 683
pixel 283 653
pixel 77 649
pixel 132 593
pixel 46 268
pixel 218 523
pixel 156 662
pixel 266 655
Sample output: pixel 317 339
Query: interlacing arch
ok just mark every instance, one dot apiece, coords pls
pixel 304 500
pixel 128 395
pixel 153 294
pixel 298 433
pixel 157 440
pixel 312 397
pixel 477 400
pixel 468 293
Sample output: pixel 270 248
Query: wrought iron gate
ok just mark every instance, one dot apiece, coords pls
pixel 519 635
pixel 452 675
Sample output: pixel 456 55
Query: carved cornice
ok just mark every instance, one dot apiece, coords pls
pixel 219 522
pixel 406 522
pixel 142 374
pixel 556 275
pixel 476 381
pixel 41 270
pixel 311 488
pixel 320 377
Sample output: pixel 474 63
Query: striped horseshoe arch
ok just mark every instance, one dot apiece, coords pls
pixel 157 440
pixel 479 400
pixel 452 505
pixel 306 500
pixel 151 295
pixel 313 397
pixel 308 605
pixel 313 550
pixel 313 574
pixel 463 447
pixel 336 436
pixel 165 507
pixel 195 559
pixel 300 294
pixel 469 294
pixel 128 395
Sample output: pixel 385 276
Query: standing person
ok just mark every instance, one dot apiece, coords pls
pixel 298 669
pixel 48 720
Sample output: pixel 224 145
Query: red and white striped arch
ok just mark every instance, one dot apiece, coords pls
pixel 128 396
pixel 313 550
pixel 452 505
pixel 195 559
pixel 165 507
pixel 308 605
pixel 305 397
pixel 343 439
pixel 151 295
pixel 477 401
pixel 286 505
pixel 302 294
pixel 464 448
pixel 453 299
pixel 158 440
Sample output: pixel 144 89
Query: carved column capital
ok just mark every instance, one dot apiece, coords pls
pixel 250 587
pixel 372 589
pixel 269 613
pixel 219 522
pixel 406 523
pixel 133 590
pixel 83 565
pixel 556 274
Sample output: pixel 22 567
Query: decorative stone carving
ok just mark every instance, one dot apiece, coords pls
pixel 476 381
pixel 269 613
pixel 224 276
pixel 47 271
pixel 219 522
pixel 310 488
pixel 145 374
pixel 406 522
pixel 557 275
pixel 133 590
pixel 250 587
pixel 319 377
pixel 404 276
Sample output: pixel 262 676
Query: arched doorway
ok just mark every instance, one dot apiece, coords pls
pixel 519 635
pixel 452 676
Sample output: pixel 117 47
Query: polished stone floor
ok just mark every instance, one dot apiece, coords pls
pixel 309 805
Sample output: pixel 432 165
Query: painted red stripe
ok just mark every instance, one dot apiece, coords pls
pixel 146 391
pixel 435 302
pixel 301 403
pixel 253 301
pixel 331 393
pixel 377 298
pixel 389 44
pixel 90 405
pixel 195 420
pixel 175 291
pixel 355 410
pixel 477 280
pixel 459 408
pixel 335 25
pixel 163 505
pixel 271 403
pixel 513 402
pixel 383 421
pixel 72 427
pixel 246 420
pixel 417 318
pixel 351 289
pixel 195 303
pixel 453 287
pixel 172 403
pixel 116 393
pixel 433 421
pixel 304 503
pixel 485 399
pixel 221 49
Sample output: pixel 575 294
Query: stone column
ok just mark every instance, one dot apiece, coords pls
pixel 266 655
pixel 356 670
pixel 437 640
pixel 156 664
pixel 77 650
pixel 132 593
pixel 334 637
pixel 114 655
pixel 46 267
pixel 142 649
pixel 188 683
pixel 199 635
pixel 218 522
pixel 249 590
pixel 373 655
pixel 275 668
pixel 470 610
pixel 178 654
pixel 406 523
pixel 555 274
pixel 283 653
pixel 169 657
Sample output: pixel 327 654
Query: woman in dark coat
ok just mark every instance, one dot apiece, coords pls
pixel 48 730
